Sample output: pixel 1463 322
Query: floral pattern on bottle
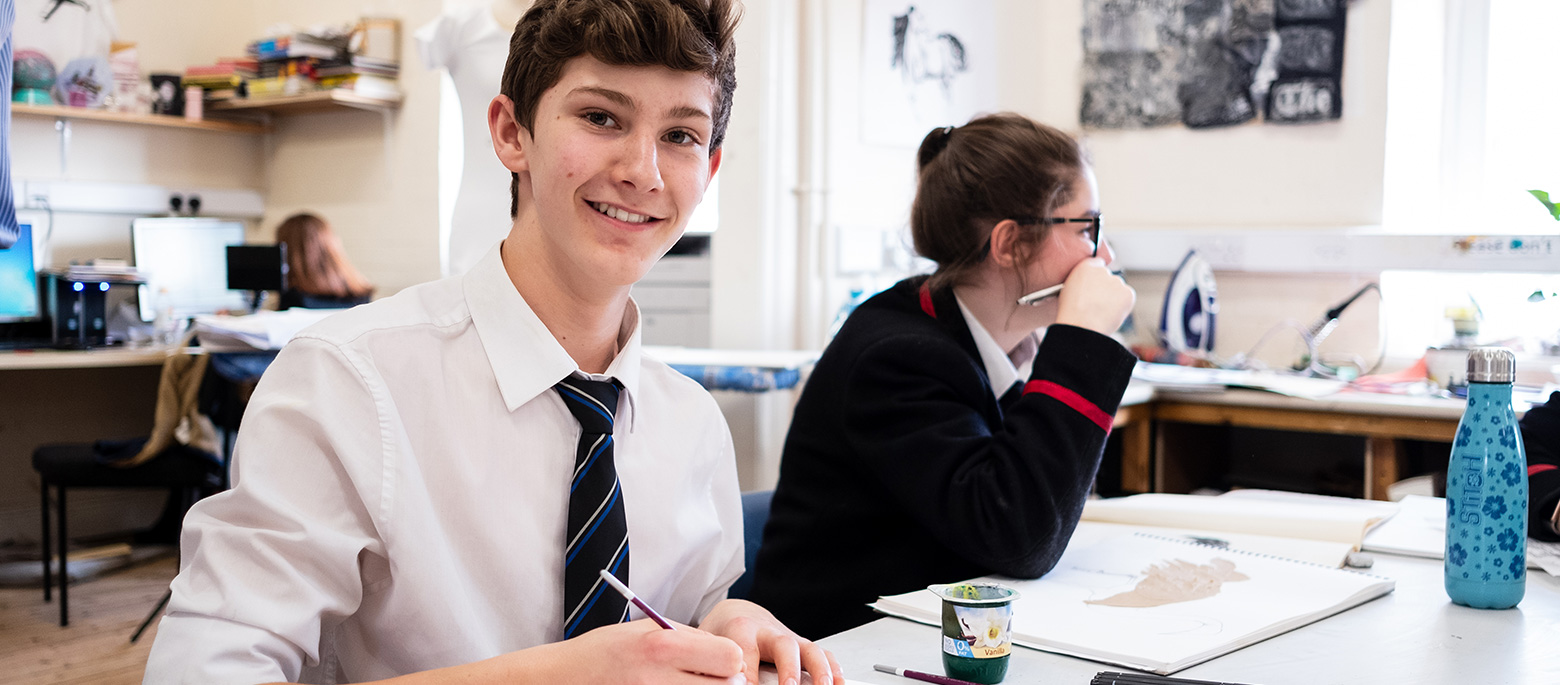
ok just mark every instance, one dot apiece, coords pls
pixel 1486 501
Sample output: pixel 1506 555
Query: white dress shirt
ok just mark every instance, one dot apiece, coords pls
pixel 1002 369
pixel 400 492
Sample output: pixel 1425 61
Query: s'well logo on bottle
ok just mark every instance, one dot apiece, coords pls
pixel 1486 491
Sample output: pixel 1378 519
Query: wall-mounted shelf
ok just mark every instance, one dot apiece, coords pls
pixel 83 114
pixel 318 101
pixel 252 116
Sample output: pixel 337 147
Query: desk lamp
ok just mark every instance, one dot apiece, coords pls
pixel 1323 327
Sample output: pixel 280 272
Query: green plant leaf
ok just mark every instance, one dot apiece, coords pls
pixel 1554 209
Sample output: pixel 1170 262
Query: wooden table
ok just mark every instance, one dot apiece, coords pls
pixel 1149 464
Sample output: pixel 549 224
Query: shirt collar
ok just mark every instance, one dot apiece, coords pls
pixel 1001 370
pixel 526 359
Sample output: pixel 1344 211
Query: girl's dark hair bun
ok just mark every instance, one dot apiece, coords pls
pixel 933 143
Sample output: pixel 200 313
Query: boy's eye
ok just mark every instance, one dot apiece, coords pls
pixel 679 137
pixel 599 118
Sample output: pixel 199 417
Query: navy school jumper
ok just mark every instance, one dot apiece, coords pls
pixel 903 469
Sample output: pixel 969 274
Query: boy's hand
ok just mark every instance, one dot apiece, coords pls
pixel 763 638
pixel 1094 298
pixel 641 652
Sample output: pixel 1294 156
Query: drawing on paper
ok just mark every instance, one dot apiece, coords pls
pixel 925 64
pixel 1175 581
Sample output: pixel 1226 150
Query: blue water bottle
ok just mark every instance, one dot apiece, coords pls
pixel 1486 491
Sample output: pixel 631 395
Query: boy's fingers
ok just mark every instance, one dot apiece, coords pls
pixel 784 652
pixel 821 664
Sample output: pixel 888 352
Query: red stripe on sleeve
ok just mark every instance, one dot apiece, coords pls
pixel 1074 400
pixel 1540 468
pixel 926 301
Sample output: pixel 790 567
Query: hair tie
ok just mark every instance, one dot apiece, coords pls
pixel 935 142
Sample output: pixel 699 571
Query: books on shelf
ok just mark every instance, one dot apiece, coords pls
pixel 1162 604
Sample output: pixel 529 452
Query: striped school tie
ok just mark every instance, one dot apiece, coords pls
pixel 597 532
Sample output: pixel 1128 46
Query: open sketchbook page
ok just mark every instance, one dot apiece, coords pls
pixel 1273 517
pixel 1162 605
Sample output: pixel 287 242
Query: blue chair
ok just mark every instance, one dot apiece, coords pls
pixel 755 512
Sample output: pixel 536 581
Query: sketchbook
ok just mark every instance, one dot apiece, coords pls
pixel 1163 604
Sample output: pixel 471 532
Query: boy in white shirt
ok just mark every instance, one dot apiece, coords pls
pixel 412 495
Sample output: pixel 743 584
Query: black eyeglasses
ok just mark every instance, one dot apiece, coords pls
pixel 1093 221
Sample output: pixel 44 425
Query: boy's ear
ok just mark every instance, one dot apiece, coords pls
pixel 509 137
pixel 714 167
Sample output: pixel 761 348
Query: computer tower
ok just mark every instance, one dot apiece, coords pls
pixel 78 315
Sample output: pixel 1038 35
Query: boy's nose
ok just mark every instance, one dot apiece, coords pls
pixel 640 166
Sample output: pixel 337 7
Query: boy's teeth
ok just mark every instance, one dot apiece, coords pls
pixel 620 215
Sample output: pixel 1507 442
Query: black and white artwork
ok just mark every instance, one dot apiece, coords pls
pixel 925 64
pixel 1211 63
pixel 1310 62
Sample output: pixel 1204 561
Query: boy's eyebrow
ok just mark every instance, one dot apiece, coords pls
pixel 617 98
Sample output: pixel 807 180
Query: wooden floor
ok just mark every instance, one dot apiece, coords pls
pixel 96 648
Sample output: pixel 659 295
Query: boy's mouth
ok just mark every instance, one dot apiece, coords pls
pixel 621 214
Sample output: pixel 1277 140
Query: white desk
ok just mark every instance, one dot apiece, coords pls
pixel 1414 635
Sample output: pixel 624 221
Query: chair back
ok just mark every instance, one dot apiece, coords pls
pixel 755 513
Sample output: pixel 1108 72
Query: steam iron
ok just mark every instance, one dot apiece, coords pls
pixel 1191 303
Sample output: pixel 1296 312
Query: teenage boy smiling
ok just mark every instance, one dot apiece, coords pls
pixel 404 481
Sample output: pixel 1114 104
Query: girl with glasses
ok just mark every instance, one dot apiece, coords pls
pixel 948 431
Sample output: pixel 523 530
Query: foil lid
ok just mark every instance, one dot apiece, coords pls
pixel 1492 365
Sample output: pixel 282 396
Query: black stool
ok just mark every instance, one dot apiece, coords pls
pixel 177 469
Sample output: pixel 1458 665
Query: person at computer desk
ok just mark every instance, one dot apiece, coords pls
pixel 1541 439
pixel 318 273
pixel 947 431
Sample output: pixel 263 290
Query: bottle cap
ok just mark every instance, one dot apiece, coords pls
pixel 1491 365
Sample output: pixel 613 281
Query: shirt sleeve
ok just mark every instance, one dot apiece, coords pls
pixel 1005 498
pixel 273 563
pixel 726 494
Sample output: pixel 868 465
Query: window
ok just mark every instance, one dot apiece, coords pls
pixel 1471 127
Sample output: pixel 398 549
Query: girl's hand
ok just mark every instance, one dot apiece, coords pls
pixel 1094 298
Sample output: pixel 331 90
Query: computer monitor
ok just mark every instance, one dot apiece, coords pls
pixel 186 257
pixel 19 280
pixel 257 267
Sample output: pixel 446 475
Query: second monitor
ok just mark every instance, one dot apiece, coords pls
pixel 184 261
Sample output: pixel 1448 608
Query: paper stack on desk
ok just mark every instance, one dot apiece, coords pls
pixel 1193 379
pixel 1161 604
pixel 1420 531
pixel 1309 527
pixel 264 330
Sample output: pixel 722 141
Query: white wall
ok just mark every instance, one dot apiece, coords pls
pixel 1254 176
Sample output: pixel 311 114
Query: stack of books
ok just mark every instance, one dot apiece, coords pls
pixel 289 64
pixel 362 58
pixel 225 80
